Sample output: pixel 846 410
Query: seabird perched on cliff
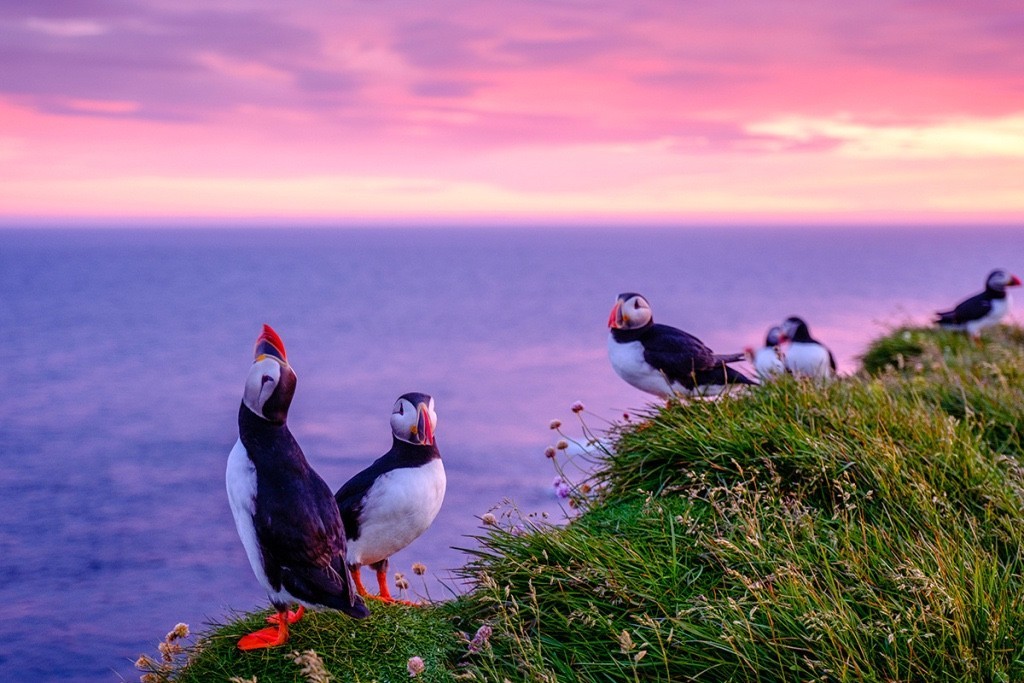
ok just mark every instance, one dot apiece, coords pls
pixel 769 360
pixel 981 310
pixel 663 360
pixel 284 512
pixel 805 355
pixel 393 501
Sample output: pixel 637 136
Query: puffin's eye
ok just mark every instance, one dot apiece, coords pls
pixel 636 304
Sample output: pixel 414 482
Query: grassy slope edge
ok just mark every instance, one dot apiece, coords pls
pixel 867 530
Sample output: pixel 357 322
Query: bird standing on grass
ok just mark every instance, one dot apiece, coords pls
pixel 769 361
pixel 981 310
pixel 284 512
pixel 663 360
pixel 389 504
pixel 806 356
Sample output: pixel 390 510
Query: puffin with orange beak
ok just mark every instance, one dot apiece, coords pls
pixel 284 512
pixel 389 504
pixel 981 310
pixel 663 360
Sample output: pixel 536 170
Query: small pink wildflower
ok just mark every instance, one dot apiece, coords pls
pixel 483 635
pixel 415 666
pixel 549 452
pixel 577 407
pixel 555 424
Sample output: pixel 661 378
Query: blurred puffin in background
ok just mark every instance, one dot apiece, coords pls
pixel 769 361
pixel 805 355
pixel 987 308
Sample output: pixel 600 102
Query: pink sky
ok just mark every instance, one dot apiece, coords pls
pixel 527 109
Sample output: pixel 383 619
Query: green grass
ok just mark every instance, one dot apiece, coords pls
pixel 866 530
pixel 374 649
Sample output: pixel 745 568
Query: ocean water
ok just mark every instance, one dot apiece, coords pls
pixel 124 353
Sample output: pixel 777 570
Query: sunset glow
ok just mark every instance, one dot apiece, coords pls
pixel 531 110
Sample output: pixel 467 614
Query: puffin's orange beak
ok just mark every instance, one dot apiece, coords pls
pixel 424 429
pixel 269 344
pixel 1014 281
pixel 615 317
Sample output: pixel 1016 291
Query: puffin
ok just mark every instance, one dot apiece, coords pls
pixel 389 504
pixel 769 361
pixel 663 360
pixel 285 515
pixel 981 310
pixel 806 356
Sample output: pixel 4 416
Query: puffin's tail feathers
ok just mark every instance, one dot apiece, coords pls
pixel 324 586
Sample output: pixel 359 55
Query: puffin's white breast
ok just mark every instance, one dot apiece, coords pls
pixel 241 484
pixel 399 506
pixel 808 360
pixel 1000 307
pixel 627 360
pixel 768 362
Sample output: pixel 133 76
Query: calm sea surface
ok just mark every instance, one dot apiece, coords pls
pixel 124 354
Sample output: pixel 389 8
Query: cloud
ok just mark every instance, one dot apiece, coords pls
pixel 962 137
pixel 173 64
pixel 66 28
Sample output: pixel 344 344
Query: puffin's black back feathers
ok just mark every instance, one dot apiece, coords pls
pixel 682 357
pixel 973 308
pixel 297 523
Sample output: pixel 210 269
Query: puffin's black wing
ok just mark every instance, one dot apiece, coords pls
pixel 676 353
pixel 300 533
pixel 291 524
pixel 349 497
pixel 978 306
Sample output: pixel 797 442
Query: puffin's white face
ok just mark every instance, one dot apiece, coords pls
pixel 999 280
pixel 631 312
pixel 264 376
pixel 417 423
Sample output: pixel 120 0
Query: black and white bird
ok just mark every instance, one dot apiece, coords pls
pixel 389 504
pixel 769 361
pixel 663 360
pixel 284 512
pixel 805 355
pixel 974 314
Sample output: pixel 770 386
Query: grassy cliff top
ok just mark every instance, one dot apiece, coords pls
pixel 865 530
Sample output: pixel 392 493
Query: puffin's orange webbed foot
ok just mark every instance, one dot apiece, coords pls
pixel 272 636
